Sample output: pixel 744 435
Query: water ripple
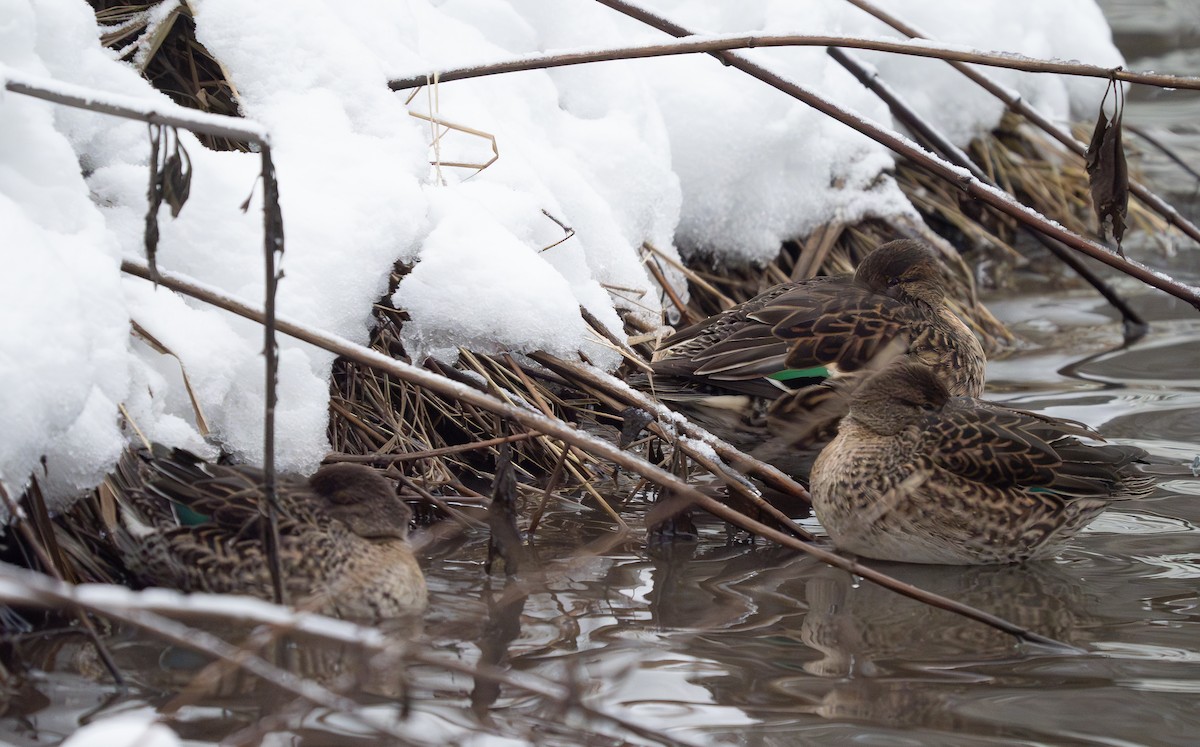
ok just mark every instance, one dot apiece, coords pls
pixel 1163 685
pixel 1127 522
pixel 1146 652
pixel 1181 565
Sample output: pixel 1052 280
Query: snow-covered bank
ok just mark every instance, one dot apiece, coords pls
pixel 659 151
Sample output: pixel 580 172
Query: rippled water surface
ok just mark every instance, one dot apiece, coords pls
pixel 723 641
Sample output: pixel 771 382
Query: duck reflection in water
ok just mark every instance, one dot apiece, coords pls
pixel 793 636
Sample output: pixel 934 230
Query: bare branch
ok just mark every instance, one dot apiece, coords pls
pixel 996 198
pixel 696 44
pixel 129 107
pixel 932 138
pixel 566 432
pixel 1014 101
pixel 26 587
pixel 272 251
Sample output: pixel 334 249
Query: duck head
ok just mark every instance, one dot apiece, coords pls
pixel 906 270
pixel 901 395
pixel 362 499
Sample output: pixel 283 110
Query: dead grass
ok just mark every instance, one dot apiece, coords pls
pixel 168 54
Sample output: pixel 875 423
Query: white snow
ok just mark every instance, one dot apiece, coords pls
pixel 21 587
pixel 757 167
pixel 671 152
pixel 133 728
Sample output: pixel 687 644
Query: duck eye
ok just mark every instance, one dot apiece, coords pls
pixel 893 281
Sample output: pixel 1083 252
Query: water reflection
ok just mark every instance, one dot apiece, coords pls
pixel 1175 360
pixel 805 617
pixel 717 640
pixel 502 628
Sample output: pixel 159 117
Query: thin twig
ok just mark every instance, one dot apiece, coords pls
pixel 692 277
pixel 565 432
pixel 722 42
pixel 27 587
pixel 685 314
pixel 551 484
pixel 932 138
pixel 1163 148
pixel 412 456
pixel 17 516
pixel 996 198
pixel 816 249
pixel 1015 102
pixel 141 333
pixel 602 329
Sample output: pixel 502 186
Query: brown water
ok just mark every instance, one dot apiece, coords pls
pixel 715 641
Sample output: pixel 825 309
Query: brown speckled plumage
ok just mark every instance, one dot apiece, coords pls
pixel 720 370
pixel 918 475
pixel 343 536
pixel 898 290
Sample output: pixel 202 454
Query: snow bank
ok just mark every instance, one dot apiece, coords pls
pixel 63 357
pixel 757 167
pixel 670 151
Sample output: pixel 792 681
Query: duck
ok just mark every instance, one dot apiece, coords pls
pixel 196 526
pixel 769 374
pixel 918 475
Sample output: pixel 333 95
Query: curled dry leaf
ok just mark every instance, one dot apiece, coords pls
pixel 1108 175
pixel 170 181
pixel 177 178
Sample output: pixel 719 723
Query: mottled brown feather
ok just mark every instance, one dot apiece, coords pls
pixel 341 535
pixel 917 475
pixel 720 370
pixel 844 320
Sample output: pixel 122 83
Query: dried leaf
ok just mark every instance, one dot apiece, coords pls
pixel 1108 174
pixel 249 197
pixel 170 180
pixel 161 349
pixel 272 214
pixel 177 178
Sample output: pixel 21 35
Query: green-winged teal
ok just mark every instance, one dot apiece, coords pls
pixel 834 322
pixel 917 475
pixel 747 373
pixel 196 526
